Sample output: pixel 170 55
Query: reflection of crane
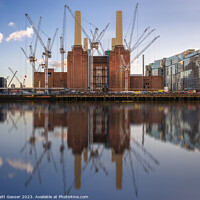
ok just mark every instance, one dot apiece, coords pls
pixel 32 58
pixel 94 44
pixel 32 141
pixel 147 167
pixel 62 40
pixel 47 49
pixel 14 75
pixel 47 149
pixel 126 67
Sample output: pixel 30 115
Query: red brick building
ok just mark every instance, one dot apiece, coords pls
pixel 55 79
pixel 117 76
pixel 77 69
pixel 146 82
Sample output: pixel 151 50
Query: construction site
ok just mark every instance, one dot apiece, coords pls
pixel 89 67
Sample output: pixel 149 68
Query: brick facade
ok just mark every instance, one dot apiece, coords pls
pixel 77 71
pixel 117 78
pixel 55 79
pixel 146 83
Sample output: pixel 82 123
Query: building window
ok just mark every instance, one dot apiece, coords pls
pixel 49 74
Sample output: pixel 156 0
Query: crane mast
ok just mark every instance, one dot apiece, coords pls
pixel 14 75
pixel 32 58
pixel 62 40
pixel 47 50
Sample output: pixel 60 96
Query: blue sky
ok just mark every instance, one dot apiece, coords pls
pixel 176 21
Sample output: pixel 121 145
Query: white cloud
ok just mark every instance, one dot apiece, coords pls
pixel 1 37
pixel 1 162
pixel 19 35
pixel 54 63
pixel 40 61
pixel 11 24
pixel 17 164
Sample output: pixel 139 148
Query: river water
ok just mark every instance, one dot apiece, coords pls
pixel 100 151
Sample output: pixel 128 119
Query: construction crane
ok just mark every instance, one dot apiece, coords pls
pixel 141 39
pixel 12 78
pixel 14 75
pixel 128 44
pixel 126 67
pixel 47 49
pixel 94 44
pixel 62 40
pixel 32 58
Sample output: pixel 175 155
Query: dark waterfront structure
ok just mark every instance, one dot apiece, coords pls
pixel 3 82
pixel 179 72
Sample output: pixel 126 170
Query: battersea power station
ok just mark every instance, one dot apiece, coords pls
pixel 87 72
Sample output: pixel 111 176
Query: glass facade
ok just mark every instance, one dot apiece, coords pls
pixel 180 72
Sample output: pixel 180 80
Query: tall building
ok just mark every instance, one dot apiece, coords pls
pixel 179 72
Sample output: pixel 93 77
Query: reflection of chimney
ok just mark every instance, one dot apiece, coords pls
pixel 77 36
pixel 77 171
pixel 113 43
pixel 119 31
pixel 85 44
pixel 119 170
pixel 85 155
pixel 113 155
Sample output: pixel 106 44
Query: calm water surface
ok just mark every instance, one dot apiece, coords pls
pixel 104 151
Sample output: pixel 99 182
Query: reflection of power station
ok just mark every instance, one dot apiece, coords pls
pixel 92 126
pixel 90 130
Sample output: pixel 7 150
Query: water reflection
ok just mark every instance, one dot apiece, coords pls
pixel 77 140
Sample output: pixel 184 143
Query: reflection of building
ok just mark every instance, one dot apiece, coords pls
pixel 98 125
pixel 142 114
pixel 56 118
pixel 3 115
pixel 180 72
pixel 91 127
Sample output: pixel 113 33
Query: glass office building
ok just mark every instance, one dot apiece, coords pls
pixel 180 72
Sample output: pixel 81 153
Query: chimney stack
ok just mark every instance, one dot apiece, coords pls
pixel 113 43
pixel 85 44
pixel 119 31
pixel 77 38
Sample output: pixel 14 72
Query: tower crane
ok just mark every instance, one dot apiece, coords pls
pixel 94 44
pixel 47 49
pixel 14 75
pixel 12 78
pixel 128 44
pixel 126 67
pixel 32 58
pixel 140 40
pixel 62 39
